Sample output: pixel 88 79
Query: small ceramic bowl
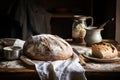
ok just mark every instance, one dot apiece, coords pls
pixel 11 52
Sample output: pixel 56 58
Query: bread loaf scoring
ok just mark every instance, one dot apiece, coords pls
pixel 104 50
pixel 47 47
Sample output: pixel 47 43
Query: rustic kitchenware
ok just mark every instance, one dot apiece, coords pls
pixel 78 28
pixel 5 42
pixel 93 35
pixel 11 52
pixel 101 26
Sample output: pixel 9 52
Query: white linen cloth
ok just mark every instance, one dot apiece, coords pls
pixel 19 42
pixel 69 69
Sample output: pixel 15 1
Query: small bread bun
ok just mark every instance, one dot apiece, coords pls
pixel 104 50
pixel 47 47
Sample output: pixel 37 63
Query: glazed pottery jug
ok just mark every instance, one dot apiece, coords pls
pixel 93 35
pixel 78 28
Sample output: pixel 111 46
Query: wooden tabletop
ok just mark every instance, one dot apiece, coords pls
pixel 99 68
pixel 89 66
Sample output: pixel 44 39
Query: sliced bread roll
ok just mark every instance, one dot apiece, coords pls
pixel 104 50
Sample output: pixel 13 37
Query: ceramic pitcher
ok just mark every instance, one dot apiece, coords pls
pixel 78 28
pixel 93 35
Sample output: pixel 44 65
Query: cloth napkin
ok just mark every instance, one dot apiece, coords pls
pixel 19 42
pixel 69 69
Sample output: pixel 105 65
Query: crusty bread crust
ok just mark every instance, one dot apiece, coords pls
pixel 47 47
pixel 104 51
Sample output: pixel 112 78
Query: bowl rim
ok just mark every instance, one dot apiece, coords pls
pixel 10 48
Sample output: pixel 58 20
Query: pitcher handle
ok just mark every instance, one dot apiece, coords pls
pixel 89 17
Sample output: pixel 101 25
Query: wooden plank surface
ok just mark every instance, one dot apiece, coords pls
pixel 90 66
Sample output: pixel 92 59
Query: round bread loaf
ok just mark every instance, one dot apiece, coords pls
pixel 47 47
pixel 104 50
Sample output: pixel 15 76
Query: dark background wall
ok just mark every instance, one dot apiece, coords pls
pixel 7 23
pixel 103 11
pixel 100 10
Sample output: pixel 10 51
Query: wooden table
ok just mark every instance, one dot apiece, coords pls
pixel 29 72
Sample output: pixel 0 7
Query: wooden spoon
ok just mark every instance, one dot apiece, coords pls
pixel 101 26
